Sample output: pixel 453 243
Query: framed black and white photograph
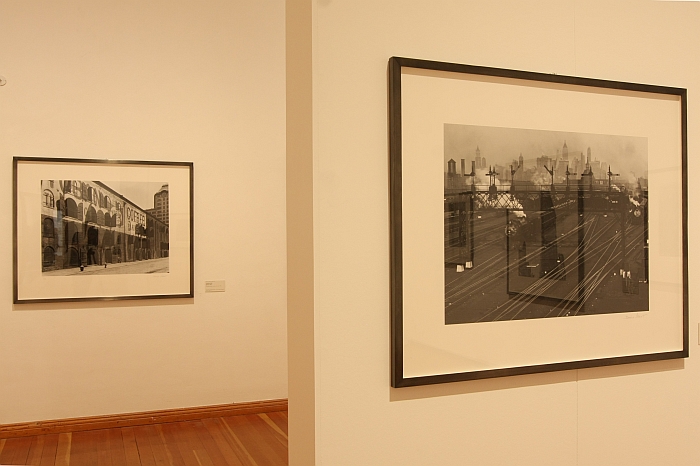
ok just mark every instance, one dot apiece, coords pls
pixel 87 229
pixel 538 222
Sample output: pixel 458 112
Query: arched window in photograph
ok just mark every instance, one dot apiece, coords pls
pixel 48 199
pixel 72 209
pixel 76 188
pixel 90 194
pixel 66 186
pixel 47 228
pixel 108 203
pixel 100 218
pixel 91 215
pixel 108 220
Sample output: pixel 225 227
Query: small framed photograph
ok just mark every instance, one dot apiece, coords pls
pixel 89 229
pixel 538 222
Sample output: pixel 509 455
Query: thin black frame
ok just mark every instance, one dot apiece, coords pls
pixel 15 261
pixel 395 205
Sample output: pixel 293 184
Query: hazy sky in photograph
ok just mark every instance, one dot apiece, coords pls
pixel 626 155
pixel 139 192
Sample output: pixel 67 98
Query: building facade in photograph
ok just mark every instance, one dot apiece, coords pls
pixel 87 223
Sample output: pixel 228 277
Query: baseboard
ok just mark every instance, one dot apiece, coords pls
pixel 110 421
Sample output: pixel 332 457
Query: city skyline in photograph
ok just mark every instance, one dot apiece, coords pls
pixel 625 156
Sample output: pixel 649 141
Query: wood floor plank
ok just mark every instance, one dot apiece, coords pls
pixel 280 419
pixel 230 451
pixel 16 450
pixel 214 453
pixel 115 444
pixel 104 455
pixel 277 438
pixel 141 437
pixel 255 436
pixel 203 458
pixel 131 449
pixel 36 450
pixel 177 445
pixel 7 452
pixel 159 442
pixel 48 453
pixel 84 448
pixel 279 433
pixel 238 444
pixel 268 430
pixel 153 439
pixel 158 446
pixel 63 449
pixel 191 443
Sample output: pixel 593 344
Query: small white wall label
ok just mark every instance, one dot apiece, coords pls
pixel 214 286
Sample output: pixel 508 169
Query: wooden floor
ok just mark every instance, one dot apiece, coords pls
pixel 249 440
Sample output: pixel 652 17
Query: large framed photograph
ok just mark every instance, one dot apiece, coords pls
pixel 538 222
pixel 89 229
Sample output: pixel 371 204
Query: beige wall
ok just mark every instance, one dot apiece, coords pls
pixel 643 414
pixel 184 81
pixel 156 80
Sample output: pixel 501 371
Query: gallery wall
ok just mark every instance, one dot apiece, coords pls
pixel 157 80
pixel 640 414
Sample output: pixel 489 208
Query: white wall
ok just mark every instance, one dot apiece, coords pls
pixel 156 80
pixel 643 414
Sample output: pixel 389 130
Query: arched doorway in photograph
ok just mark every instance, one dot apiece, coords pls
pixel 107 243
pixel 92 243
pixel 72 244
pixel 48 257
pixel 130 248
pixel 118 247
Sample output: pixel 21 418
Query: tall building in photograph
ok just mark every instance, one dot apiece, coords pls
pixel 161 205
pixel 480 162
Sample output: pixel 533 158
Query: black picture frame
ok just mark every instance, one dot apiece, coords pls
pixel 99 241
pixel 425 98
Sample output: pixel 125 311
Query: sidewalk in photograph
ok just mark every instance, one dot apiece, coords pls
pixel 160 265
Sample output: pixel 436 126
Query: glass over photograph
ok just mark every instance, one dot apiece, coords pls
pixel 543 224
pixel 104 227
